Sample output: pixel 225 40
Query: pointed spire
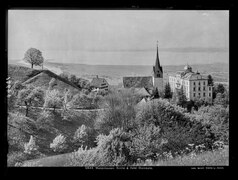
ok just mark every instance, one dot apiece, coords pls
pixel 157 63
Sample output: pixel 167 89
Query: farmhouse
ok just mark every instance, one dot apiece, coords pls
pixel 194 85
pixel 99 83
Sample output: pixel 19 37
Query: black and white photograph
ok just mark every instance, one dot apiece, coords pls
pixel 123 88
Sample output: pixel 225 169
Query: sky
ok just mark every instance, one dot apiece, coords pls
pixel 120 37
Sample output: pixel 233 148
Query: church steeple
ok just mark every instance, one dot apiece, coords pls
pixel 158 70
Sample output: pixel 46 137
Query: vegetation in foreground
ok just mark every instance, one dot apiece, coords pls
pixel 122 134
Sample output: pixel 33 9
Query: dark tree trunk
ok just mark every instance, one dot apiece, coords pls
pixel 31 65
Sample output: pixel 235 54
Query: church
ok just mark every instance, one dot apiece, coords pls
pixel 148 82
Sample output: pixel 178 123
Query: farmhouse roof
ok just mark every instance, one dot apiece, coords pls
pixel 142 91
pixel 96 82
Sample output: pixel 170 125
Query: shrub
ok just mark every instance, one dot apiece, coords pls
pixel 111 150
pixel 15 157
pixel 119 112
pixel 84 136
pixel 146 142
pixel 31 147
pixel 176 125
pixel 44 122
pixel 59 144
pixel 53 99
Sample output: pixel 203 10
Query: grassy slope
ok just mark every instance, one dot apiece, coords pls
pixel 216 158
pixel 60 126
pixel 42 79
pixel 39 78
pixel 21 73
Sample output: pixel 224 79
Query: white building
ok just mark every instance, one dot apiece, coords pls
pixel 194 85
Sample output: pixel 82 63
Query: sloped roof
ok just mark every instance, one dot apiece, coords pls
pixel 96 82
pixel 142 91
pixel 138 82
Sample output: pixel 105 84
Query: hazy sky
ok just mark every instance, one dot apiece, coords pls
pixel 120 36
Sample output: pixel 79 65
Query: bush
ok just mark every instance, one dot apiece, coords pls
pixel 44 122
pixel 59 144
pixel 119 112
pixel 31 147
pixel 146 143
pixel 176 125
pixel 84 136
pixel 111 150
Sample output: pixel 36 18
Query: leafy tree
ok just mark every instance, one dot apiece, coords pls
pixel 64 76
pixel 219 88
pixel 80 101
pixel 179 97
pixel 167 91
pixel 222 99
pixel 210 80
pixel 59 144
pixel 73 79
pixel 31 96
pixel 52 83
pixel 53 99
pixel 34 57
pixel 31 147
pixel 156 93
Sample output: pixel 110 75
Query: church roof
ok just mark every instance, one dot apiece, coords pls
pixel 189 75
pixel 138 82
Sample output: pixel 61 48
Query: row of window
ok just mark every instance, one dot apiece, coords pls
pixel 199 89
pixel 204 94
pixel 199 83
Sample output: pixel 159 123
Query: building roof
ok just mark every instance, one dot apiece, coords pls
pixel 142 92
pixel 138 82
pixel 188 74
pixel 96 82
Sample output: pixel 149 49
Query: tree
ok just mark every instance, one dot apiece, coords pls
pixel 53 99
pixel 59 144
pixel 222 99
pixel 179 97
pixel 64 76
pixel 210 80
pixel 156 93
pixel 73 79
pixel 167 91
pixel 219 88
pixel 52 83
pixel 31 146
pixel 31 96
pixel 34 57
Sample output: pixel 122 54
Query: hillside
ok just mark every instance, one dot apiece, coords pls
pixel 39 78
pixel 21 73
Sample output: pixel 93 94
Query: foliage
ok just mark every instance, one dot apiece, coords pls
pixel 176 125
pixel 218 118
pixel 59 143
pixel 31 96
pixel 16 131
pixel 222 99
pixel 44 121
pixel 218 88
pixel 80 101
pixel 52 83
pixel 83 136
pixel 34 57
pixel 119 112
pixel 167 91
pixel 64 76
pixel 30 147
pixel 210 80
pixel 146 142
pixel 179 98
pixel 53 99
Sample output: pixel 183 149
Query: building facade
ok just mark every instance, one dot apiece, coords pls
pixel 194 85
